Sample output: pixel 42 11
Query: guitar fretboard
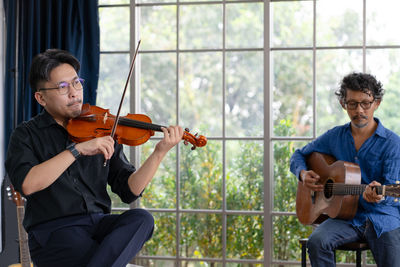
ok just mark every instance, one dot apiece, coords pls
pixel 348 189
pixel 25 256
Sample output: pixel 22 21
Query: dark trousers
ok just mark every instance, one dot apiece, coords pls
pixel 93 240
pixel 334 232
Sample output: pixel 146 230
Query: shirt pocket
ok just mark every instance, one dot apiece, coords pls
pixel 372 171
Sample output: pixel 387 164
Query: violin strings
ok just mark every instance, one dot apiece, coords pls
pixel 133 123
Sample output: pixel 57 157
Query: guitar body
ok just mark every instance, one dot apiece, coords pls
pixel 314 207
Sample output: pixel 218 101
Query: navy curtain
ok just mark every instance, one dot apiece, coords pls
pixel 72 25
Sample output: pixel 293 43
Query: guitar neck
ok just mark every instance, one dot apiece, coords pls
pixel 350 189
pixel 25 256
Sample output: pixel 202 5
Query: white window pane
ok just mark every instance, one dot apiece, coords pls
pixel 332 66
pixel 244 105
pixel 154 36
pixel 291 23
pixel 158 87
pixel 113 2
pixel 200 26
pixel 384 64
pixel 200 92
pixel 383 22
pixel 112 81
pixel 291 79
pixel 339 22
pixel 114 28
pixel 245 25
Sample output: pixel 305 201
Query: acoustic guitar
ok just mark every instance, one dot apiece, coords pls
pixel 24 254
pixel 342 189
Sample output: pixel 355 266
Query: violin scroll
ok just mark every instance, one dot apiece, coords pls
pixel 193 139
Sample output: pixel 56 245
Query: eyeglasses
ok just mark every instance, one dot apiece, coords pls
pixel 351 105
pixel 63 87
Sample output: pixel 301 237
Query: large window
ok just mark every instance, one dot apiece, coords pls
pixel 257 78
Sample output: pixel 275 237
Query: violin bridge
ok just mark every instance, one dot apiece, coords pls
pixel 105 118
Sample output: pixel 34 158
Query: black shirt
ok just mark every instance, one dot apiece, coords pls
pixel 81 189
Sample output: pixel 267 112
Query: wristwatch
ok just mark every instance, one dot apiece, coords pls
pixel 73 150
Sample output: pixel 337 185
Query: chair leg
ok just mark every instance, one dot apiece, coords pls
pixel 304 254
pixel 358 258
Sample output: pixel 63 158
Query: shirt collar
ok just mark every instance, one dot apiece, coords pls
pixel 44 119
pixel 380 130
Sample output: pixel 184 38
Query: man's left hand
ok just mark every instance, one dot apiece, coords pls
pixel 370 194
pixel 172 136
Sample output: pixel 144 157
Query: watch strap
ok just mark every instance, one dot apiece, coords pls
pixel 73 150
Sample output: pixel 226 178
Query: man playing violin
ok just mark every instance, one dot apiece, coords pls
pixel 366 142
pixel 68 208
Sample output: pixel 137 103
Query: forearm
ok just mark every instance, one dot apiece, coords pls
pixel 139 179
pixel 297 163
pixel 142 177
pixel 43 175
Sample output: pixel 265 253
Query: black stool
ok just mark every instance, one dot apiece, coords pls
pixel 358 247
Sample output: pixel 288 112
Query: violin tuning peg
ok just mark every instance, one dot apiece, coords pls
pixel 196 134
pixel 193 148
pixel 187 130
pixel 185 143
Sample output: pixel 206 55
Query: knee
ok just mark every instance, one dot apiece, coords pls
pixel 145 216
pixel 313 243
pixel 142 216
pixel 317 242
pixel 143 220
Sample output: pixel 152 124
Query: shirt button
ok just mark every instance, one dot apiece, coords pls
pixel 75 181
pixel 356 158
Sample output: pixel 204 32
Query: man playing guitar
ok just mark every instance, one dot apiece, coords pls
pixel 366 142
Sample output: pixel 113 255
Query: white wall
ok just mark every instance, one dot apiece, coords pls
pixel 2 65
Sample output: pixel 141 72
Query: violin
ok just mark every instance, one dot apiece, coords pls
pixel 131 130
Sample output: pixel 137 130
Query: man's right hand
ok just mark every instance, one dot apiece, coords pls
pixel 309 179
pixel 101 145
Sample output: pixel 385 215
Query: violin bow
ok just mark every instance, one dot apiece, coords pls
pixel 123 94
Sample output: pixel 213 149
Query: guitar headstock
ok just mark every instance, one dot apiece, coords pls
pixel 15 196
pixel 193 139
pixel 392 190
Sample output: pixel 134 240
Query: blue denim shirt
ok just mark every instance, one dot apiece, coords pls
pixel 379 160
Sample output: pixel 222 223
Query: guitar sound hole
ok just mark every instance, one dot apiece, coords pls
pixel 328 189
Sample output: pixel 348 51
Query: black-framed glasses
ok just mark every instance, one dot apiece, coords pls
pixel 63 87
pixel 351 105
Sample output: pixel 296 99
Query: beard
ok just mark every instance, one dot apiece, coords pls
pixel 77 105
pixel 357 121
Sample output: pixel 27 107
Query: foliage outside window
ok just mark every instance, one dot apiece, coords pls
pixel 201 65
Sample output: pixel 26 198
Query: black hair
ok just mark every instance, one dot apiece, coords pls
pixel 362 82
pixel 44 63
